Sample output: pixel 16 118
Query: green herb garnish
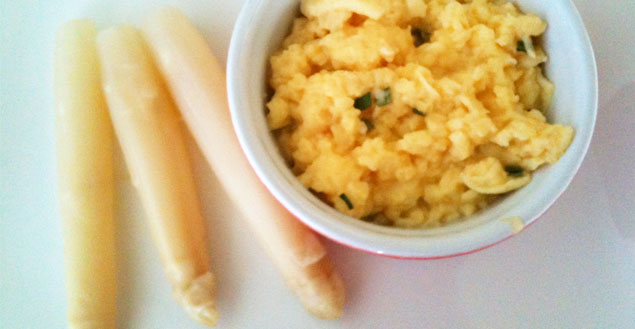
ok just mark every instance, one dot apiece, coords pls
pixel 363 102
pixel 348 202
pixel 369 124
pixel 520 46
pixel 383 97
pixel 514 171
pixel 419 36
pixel 417 112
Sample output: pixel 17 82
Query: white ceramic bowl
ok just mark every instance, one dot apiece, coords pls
pixel 259 31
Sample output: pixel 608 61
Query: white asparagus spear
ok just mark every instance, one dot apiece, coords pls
pixel 85 179
pixel 197 83
pixel 153 143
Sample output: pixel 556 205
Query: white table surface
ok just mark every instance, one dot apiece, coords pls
pixel 574 268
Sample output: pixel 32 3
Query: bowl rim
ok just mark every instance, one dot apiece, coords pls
pixel 392 242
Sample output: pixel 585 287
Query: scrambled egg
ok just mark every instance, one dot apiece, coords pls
pixel 413 113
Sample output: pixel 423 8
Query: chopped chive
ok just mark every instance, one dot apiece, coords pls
pixel 419 37
pixel 520 46
pixel 363 102
pixel 348 202
pixel 416 111
pixel 369 124
pixel 514 171
pixel 383 97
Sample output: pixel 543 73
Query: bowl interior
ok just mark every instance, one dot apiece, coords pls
pixel 259 31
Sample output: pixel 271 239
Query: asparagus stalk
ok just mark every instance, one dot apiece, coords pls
pixel 85 179
pixel 197 83
pixel 147 126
